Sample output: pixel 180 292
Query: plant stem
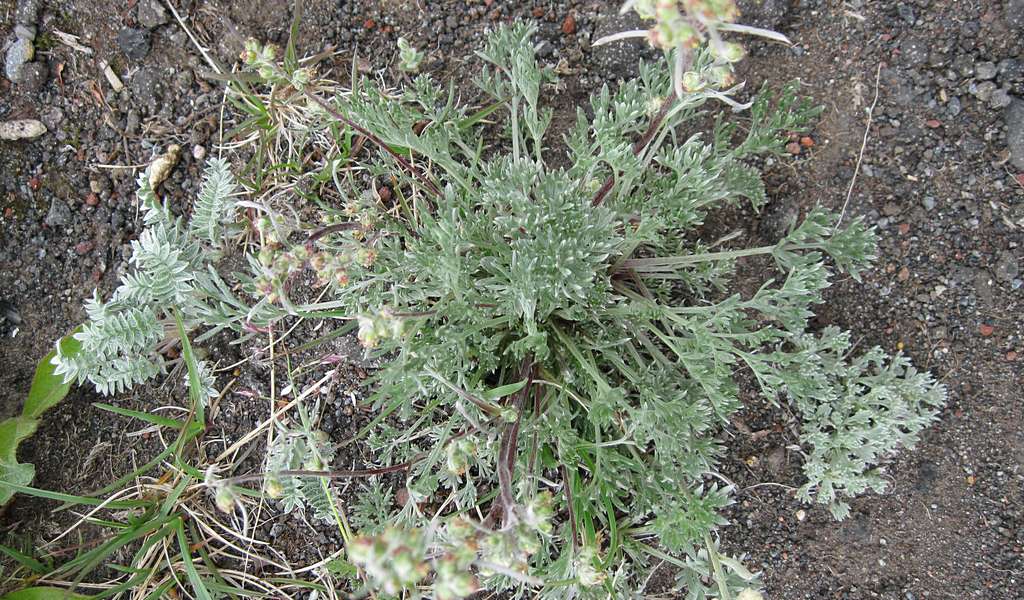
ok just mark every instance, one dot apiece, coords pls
pixel 569 504
pixel 638 147
pixel 427 183
pixel 667 263
pixel 515 129
pixel 723 585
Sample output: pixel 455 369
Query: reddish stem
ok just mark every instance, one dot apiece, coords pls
pixel 638 147
pixel 427 183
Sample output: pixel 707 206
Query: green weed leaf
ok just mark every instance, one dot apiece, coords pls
pixel 43 593
pixel 500 392
pixel 48 388
pixel 12 432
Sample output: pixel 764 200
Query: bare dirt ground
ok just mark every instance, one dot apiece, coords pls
pixel 941 175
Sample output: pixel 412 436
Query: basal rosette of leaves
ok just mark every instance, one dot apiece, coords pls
pixel 559 349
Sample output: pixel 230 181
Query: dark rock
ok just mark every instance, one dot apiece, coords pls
pixel 147 88
pixel 51 116
pixel 906 13
pixel 914 50
pixel 1013 116
pixel 954 107
pixel 778 220
pixel 27 12
pixel 33 76
pixel 135 43
pixel 1014 13
pixel 9 313
pixel 963 65
pixel 231 42
pixel 151 14
pixel 1010 71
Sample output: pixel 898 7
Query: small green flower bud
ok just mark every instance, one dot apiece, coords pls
pixel 225 499
pixel 692 82
pixel 733 52
pixel 272 487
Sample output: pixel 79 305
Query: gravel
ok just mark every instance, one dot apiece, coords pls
pixel 985 70
pixel 135 43
pixel 949 253
pixel 59 214
pixel 1014 119
pixel 151 14
pixel 20 52
pixel 1007 267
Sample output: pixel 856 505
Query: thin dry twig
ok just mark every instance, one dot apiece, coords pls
pixel 863 147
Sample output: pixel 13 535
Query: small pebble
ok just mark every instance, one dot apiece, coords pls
pixel 985 71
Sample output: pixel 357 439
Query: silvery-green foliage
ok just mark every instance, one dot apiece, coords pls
pixel 856 412
pixel 409 58
pixel 551 327
pixel 169 272
pixel 214 207
pixel 300 449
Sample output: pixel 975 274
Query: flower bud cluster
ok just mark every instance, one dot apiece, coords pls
pixel 459 454
pixel 513 547
pixel 394 561
pixel 686 24
pixel 261 58
pixel 588 570
pixel 453 578
pixel 332 267
pixel 383 325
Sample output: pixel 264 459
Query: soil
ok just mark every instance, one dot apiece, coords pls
pixel 932 82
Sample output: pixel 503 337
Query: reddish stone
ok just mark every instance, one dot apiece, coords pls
pixel 569 24
pixel 793 148
pixel 83 248
pixel 986 329
pixel 904 228
pixel 92 199
pixel 807 141
pixel 933 123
